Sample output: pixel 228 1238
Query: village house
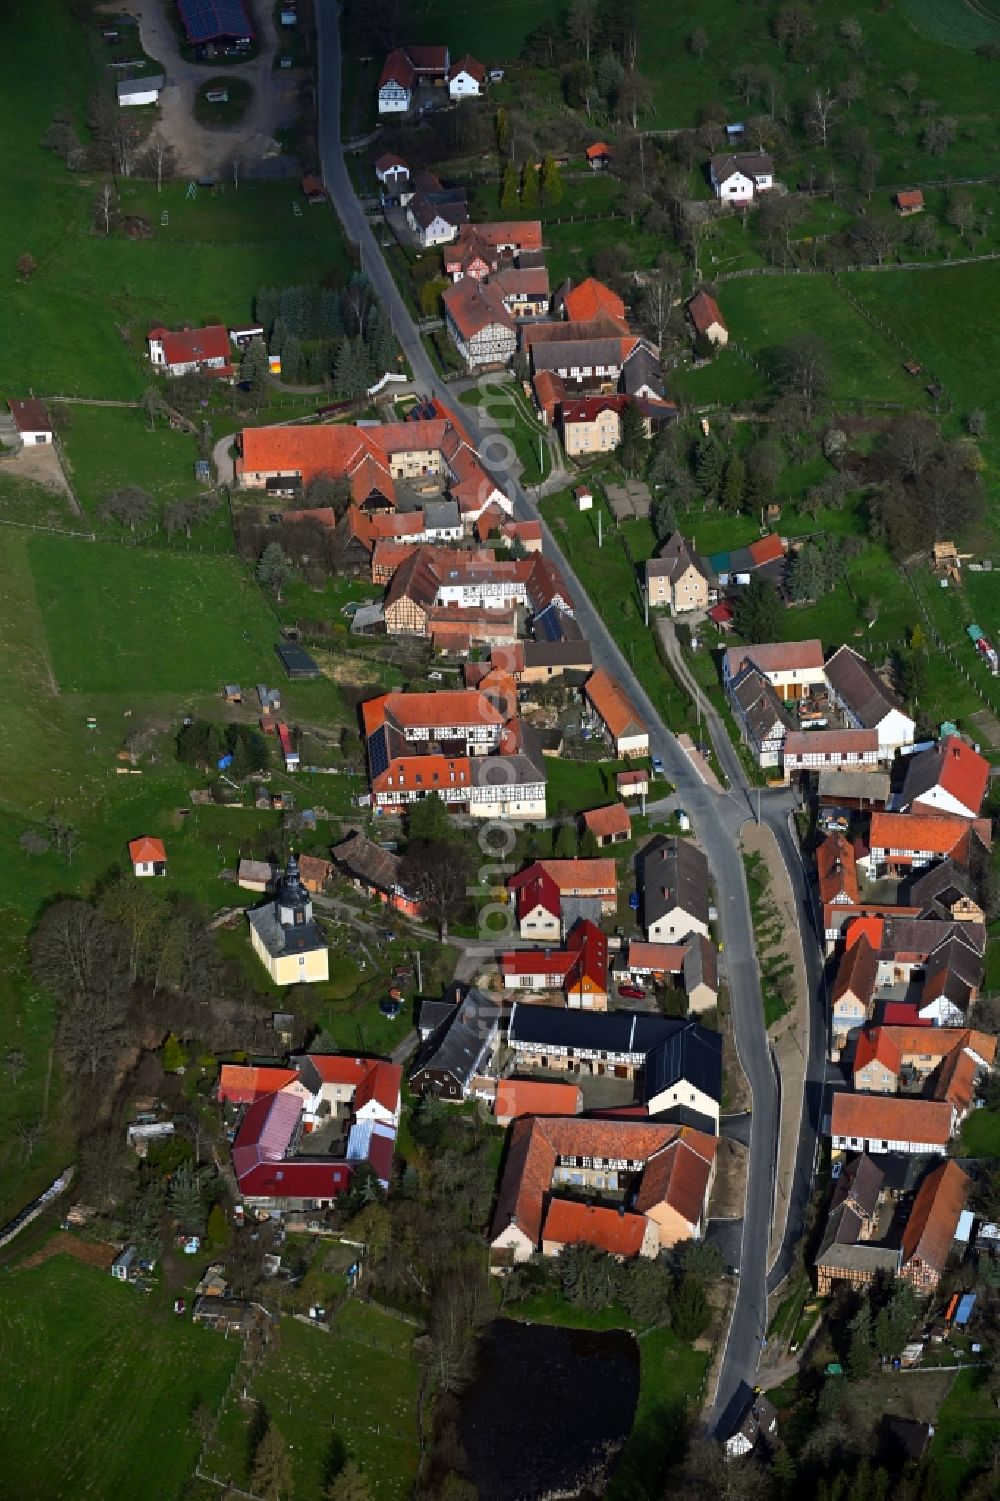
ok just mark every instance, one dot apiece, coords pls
pixel 739 177
pixel 691 966
pixel 394 175
pixel 255 875
pixel 678 1061
pixel 436 219
pixel 590 299
pixel 655 1179
pixel 793 668
pixel 846 1252
pixel 523 291
pixel 853 993
pixel 148 857
pixel 598 156
pixel 946 1062
pixel 580 970
pixel 193 350
pixel 765 556
pixel 757 1425
pixel 679 578
pixel 592 424
pixel 632 784
pixel 285 936
pixel 867 702
pixel 890 1123
pixel 909 202
pixel 707 321
pixel 900 843
pixel 481 328
pixel 542 891
pixel 466 78
pixel 672 878
pixel 839 750
pixel 609 825
pixel 760 714
pixel 33 423
pixel 621 722
pixel 462 1047
pixel 405 69
pixel 944 891
pixel 949 777
pixel 134 92
pixel 929 1233
pixel 519 1097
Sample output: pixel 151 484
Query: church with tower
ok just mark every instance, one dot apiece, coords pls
pixel 285 935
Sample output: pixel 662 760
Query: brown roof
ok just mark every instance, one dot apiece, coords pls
pixel 679 1175
pixel 570 1223
pixel 930 1230
pixel 613 706
pixel 704 313
pixel 929 833
pixel 891 1118
pixel 576 875
pixel 956 1080
pixel 605 823
pixel 912 198
pixel 776 656
pixel 836 869
pixel 473 305
pixel 361 857
pixel 856 973
pixel 30 416
pixel 517 1097
pixel 591 298
pixel 312 868
pixel 830 742
pixel 859 686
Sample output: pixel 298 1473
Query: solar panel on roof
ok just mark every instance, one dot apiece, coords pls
pixel 378 753
pixel 214 20
pixel 550 623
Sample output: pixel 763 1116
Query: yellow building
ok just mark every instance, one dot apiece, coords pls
pixel 285 936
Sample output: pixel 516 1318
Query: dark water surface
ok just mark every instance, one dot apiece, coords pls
pixel 546 1407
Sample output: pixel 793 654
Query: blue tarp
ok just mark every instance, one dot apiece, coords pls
pixel 963 1312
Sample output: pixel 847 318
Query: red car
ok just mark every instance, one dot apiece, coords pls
pixel 632 992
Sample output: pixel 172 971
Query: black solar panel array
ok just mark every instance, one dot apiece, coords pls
pixel 378 753
pixel 214 20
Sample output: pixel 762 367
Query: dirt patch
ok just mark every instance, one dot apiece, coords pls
pixel 987 726
pixel 39 463
pixel 135 227
pixel 729 1191
pixel 90 1252
pixel 738 1095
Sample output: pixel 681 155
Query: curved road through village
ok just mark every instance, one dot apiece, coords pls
pixel 716 817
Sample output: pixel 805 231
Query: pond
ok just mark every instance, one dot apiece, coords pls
pixel 548 1410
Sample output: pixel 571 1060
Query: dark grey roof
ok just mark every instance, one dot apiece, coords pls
pixel 859 1186
pixel 434 1014
pixel 859 686
pixel 634 1032
pixel 565 354
pixel 935 891
pixel 843 1228
pixel 458 1048
pixel 750 163
pixel 144 82
pixel 761 707
pixel 672 873
pixel 760 1419
pixel 521 769
pixel 693 1054
pixel 642 368
pixel 683 1115
pixel 701 965
pixel 296 662
pixel 680 555
pixel 861 1256
pixel 580 909
pixel 279 940
pixel 361 857
pixel 558 653
pixel 441 513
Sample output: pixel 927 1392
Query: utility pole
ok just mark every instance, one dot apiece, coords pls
pixel 600 528
pixel 645 603
pixel 420 977
pixel 758 805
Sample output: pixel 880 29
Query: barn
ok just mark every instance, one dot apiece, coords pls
pixel 215 21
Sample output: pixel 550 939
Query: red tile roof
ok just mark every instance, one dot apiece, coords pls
pixel 608 823
pixel 241 1084
pixel 613 705
pixel 470 65
pixel 679 1175
pixel 572 877
pixel 146 850
pixel 452 706
pixel 961 771
pixel 590 299
pixel 538 890
pixel 903 1014
pixel 877 1046
pixel 598 149
pixel 867 928
pixel 925 833
pixel 473 305
pixel 382 1083
pixel 836 870
pixel 768 550
pixel 517 1097
pixel 930 1231
pixel 569 1223
pixel 192 345
pixel 704 311
pixel 776 656
pixel 856 973
pixel 891 1118
pixel 912 198
pixel 30 416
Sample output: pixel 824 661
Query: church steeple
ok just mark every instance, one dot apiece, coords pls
pixel 293 904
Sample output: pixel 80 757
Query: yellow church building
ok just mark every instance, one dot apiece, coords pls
pixel 285 936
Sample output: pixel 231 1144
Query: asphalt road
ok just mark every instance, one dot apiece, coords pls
pixel 717 819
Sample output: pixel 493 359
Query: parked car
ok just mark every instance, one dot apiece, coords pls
pixel 632 992
pixel 656 763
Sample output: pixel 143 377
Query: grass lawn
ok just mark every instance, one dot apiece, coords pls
pixel 504 407
pixel 357 1385
pixel 728 380
pixel 108 447
pixel 229 111
pixel 967 1416
pixel 981 1132
pixel 63 329
pixel 579 785
pixel 106 1383
pixel 24 501
pixel 495 34
pixel 570 248
pixel 121 619
pixel 863 364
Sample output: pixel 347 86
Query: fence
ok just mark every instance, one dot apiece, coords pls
pixel 21 1221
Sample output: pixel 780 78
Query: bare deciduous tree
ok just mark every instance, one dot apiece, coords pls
pixel 819 114
pixel 104 206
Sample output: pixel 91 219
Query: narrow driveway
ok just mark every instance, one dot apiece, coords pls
pixel 717 819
